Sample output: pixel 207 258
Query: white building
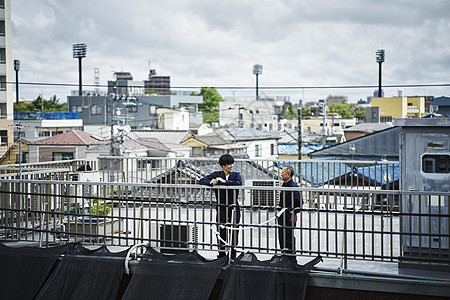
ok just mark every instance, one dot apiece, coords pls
pixel 251 114
pixel 6 78
pixel 173 119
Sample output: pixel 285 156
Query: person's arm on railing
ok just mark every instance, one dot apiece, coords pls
pixel 208 178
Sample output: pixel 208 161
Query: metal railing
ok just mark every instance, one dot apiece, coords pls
pixel 360 224
pixel 308 173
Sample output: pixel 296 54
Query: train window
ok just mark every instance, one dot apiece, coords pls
pixel 436 163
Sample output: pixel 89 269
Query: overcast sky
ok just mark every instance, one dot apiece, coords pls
pixel 216 43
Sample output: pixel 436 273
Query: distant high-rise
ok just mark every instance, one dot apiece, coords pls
pixel 157 84
pixel 6 78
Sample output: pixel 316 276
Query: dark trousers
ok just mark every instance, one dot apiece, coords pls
pixel 286 234
pixel 224 216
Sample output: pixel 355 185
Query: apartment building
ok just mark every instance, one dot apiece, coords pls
pixel 400 107
pixel 6 78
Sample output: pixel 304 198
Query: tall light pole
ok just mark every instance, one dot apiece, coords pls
pixel 79 51
pixel 380 60
pixel 257 70
pixel 17 68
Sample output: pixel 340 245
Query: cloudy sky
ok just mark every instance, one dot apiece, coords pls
pixel 314 43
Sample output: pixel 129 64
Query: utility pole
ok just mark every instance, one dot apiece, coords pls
pixel 19 133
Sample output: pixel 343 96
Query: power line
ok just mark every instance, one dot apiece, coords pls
pixel 252 87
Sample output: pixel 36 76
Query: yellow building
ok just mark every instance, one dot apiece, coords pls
pixel 11 156
pixel 400 107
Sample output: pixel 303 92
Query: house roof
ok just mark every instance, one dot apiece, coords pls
pixel 378 144
pixel 246 134
pixel 291 136
pixel 441 101
pixel 369 127
pixel 73 137
pixel 196 169
pixel 141 141
pixel 171 136
pixel 292 149
pixel 321 173
pixel 212 139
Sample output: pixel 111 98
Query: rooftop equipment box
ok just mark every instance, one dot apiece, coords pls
pixel 425 171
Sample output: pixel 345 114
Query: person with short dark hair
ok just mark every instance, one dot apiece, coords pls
pixel 286 221
pixel 228 209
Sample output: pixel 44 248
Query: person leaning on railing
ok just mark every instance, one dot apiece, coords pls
pixel 287 220
pixel 228 209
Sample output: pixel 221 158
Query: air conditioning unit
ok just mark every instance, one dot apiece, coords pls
pixel 173 236
pixel 267 197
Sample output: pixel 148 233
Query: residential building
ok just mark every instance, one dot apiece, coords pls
pixel 173 119
pixel 261 114
pixel 260 144
pixel 64 146
pixel 18 149
pixel 213 144
pixel 363 129
pixel 336 99
pixel 400 106
pixel 288 144
pixel 441 106
pixel 47 124
pixel 6 78
pixel 155 84
pixel 136 111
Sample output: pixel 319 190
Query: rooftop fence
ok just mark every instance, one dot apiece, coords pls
pixel 349 210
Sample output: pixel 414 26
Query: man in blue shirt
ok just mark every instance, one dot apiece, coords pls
pixel 286 221
pixel 228 209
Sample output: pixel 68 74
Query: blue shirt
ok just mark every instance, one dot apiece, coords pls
pixel 286 197
pixel 234 178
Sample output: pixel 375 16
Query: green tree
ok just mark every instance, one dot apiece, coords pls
pixel 210 105
pixel 306 111
pixel 291 113
pixel 360 112
pixel 343 109
pixel 41 105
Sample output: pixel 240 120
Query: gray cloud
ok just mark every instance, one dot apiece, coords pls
pixel 215 43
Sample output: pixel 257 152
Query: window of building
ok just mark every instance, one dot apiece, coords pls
pixel 3 138
pixel 436 163
pixel 142 164
pixel 258 150
pixel 196 151
pixel 76 108
pixel 132 108
pixel 44 133
pixel 56 132
pixel 156 163
pixel 96 110
pixel 2 83
pixel 2 28
pixel 272 149
pixel 62 156
pixel 2 55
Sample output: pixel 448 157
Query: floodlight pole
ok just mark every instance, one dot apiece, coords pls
pixel 380 60
pixel 257 70
pixel 79 51
pixel 17 68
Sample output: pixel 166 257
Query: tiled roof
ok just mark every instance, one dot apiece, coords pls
pixel 171 136
pixel 73 137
